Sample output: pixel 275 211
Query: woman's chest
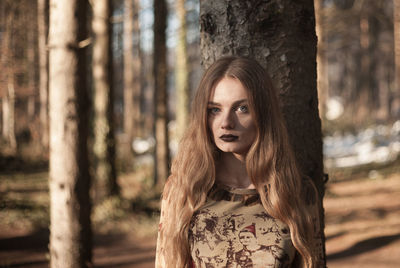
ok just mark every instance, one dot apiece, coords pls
pixel 230 234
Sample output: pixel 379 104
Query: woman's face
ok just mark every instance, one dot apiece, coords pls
pixel 229 118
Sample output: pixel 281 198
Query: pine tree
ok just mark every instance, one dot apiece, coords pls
pixel 70 206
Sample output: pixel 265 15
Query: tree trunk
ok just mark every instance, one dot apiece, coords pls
pixel 104 141
pixel 30 19
pixel 9 113
pixel 281 36
pixel 9 96
pixel 5 111
pixel 160 92
pixel 384 96
pixel 395 106
pixel 3 58
pixel 43 13
pixel 181 72
pixel 70 206
pixel 128 72
pixel 137 67
pixel 322 78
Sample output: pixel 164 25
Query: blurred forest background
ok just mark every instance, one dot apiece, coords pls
pixel 143 63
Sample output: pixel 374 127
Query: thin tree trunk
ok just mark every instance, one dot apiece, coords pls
pixel 395 106
pixel 181 72
pixel 70 206
pixel 160 92
pixel 281 36
pixel 10 123
pixel 3 22
pixel 30 19
pixel 31 107
pixel 104 141
pixel 128 72
pixel 383 85
pixel 9 101
pixel 322 79
pixel 5 115
pixel 1 114
pixel 363 99
pixel 43 13
pixel 136 64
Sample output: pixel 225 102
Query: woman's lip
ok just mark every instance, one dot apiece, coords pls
pixel 228 137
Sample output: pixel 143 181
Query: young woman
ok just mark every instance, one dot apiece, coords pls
pixel 235 197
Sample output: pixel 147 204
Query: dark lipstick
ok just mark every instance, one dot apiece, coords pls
pixel 228 137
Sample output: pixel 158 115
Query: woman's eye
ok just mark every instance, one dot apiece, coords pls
pixel 213 110
pixel 243 109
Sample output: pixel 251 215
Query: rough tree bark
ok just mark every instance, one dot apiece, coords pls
pixel 43 13
pixel 160 92
pixel 280 34
pixel 104 139
pixel 69 183
pixel 181 72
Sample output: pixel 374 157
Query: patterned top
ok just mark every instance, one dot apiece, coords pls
pixel 232 229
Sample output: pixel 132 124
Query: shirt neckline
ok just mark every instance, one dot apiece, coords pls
pixel 247 197
pixel 236 190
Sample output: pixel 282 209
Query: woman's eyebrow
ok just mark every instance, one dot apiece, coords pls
pixel 235 103
pixel 239 101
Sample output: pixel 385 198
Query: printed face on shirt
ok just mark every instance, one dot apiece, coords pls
pixel 247 238
pixel 229 119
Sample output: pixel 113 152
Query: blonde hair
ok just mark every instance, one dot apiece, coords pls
pixel 270 164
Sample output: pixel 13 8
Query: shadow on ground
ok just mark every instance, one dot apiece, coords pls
pixel 364 246
pixel 110 250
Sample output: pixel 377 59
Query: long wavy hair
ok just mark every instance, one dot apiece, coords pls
pixel 270 164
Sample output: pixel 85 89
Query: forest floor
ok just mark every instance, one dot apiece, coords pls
pixel 362 218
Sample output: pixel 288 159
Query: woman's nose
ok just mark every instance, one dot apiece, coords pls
pixel 228 120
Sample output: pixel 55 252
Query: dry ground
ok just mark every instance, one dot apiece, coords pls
pixel 363 222
pixel 362 226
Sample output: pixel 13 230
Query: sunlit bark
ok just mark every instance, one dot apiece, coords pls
pixel 181 72
pixel 322 78
pixel 9 93
pixel 43 13
pixel 70 230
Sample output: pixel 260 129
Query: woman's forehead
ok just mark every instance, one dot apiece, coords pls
pixel 228 89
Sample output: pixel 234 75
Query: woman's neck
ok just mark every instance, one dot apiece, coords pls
pixel 231 171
